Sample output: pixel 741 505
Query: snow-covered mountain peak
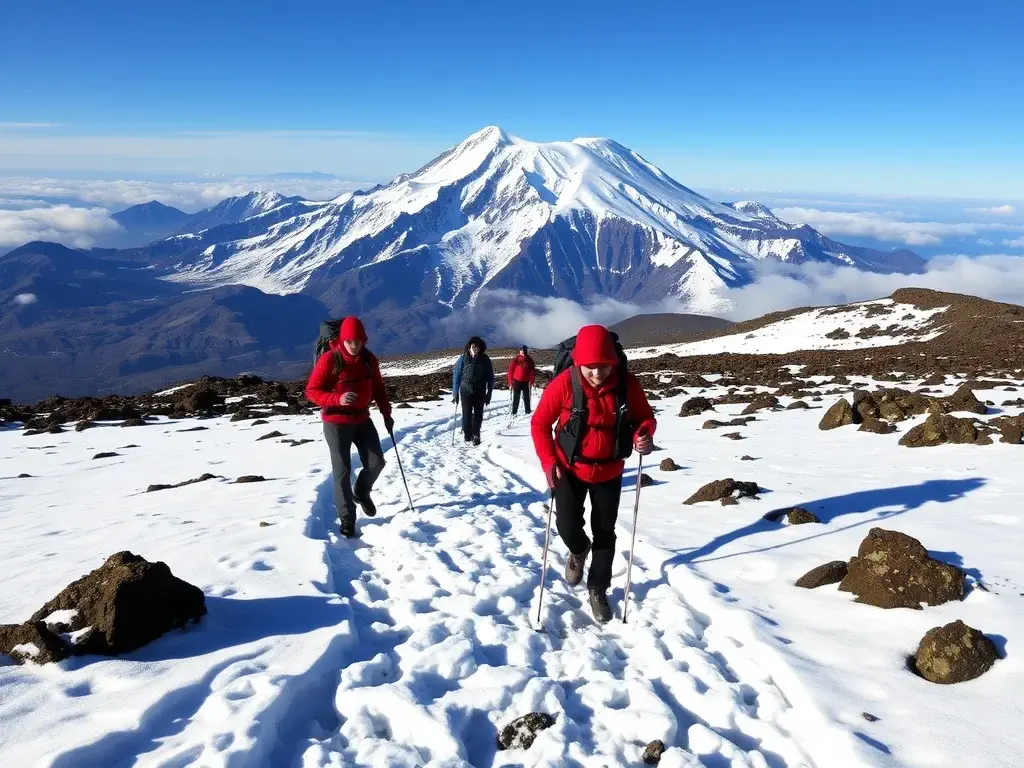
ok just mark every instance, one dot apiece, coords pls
pixel 572 218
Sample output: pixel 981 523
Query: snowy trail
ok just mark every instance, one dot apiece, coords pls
pixel 441 601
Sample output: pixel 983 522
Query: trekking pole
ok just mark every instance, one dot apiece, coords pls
pixel 455 421
pixel 398 456
pixel 632 546
pixel 544 567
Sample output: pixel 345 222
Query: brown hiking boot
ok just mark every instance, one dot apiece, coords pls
pixel 574 567
pixel 599 605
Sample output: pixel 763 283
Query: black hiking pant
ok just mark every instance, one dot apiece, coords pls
pixel 472 414
pixel 340 438
pixel 570 493
pixel 520 389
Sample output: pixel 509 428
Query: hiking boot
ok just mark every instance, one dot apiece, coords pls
pixel 574 567
pixel 599 605
pixel 348 527
pixel 366 504
pixel 476 439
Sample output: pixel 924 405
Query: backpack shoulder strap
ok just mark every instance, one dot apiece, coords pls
pixel 339 361
pixel 579 398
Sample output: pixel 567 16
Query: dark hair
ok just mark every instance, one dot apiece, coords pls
pixel 478 341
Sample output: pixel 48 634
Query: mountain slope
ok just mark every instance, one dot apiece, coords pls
pixel 570 219
pixel 239 208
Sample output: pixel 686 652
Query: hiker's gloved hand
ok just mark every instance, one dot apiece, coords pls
pixel 389 424
pixel 643 443
pixel 348 398
pixel 552 473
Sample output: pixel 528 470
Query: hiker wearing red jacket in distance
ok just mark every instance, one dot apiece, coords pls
pixel 344 381
pixel 585 454
pixel 522 372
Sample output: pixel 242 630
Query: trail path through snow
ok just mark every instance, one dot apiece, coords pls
pixel 441 602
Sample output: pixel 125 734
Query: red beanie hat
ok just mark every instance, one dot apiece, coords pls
pixel 352 330
pixel 594 346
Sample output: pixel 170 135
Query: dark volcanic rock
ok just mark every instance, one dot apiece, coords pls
pixel 521 732
pixel 798 405
pixel 668 465
pixel 134 423
pixel 733 435
pixel 829 573
pixel 653 752
pixel 876 426
pixel 105 455
pixel 839 415
pixel 761 402
pixel 893 570
pixel 251 479
pixel 194 429
pixel 696 405
pixel 163 487
pixel 24 474
pixel 954 653
pixel 260 422
pixel 962 400
pixel 795 516
pixel 84 425
pixel 199 399
pixel 940 428
pixel 128 602
pixel 48 645
pixel 723 489
pixel 270 435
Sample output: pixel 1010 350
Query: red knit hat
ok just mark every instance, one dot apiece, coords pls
pixel 594 346
pixel 352 330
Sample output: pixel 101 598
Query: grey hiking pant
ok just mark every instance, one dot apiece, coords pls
pixel 340 438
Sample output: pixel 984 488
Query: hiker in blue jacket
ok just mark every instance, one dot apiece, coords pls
pixel 473 383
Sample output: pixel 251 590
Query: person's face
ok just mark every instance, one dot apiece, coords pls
pixel 474 350
pixel 596 374
pixel 353 346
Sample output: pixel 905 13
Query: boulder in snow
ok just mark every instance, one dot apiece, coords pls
pixel 795 516
pixel 653 752
pixel 940 428
pixel 521 732
pixel 719 490
pixel 839 415
pixel 668 465
pixel 893 570
pixel 126 603
pixel 32 641
pixel 696 405
pixel 829 573
pixel 760 403
pixel 954 653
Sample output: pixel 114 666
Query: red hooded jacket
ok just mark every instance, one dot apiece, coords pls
pixel 359 374
pixel 593 347
pixel 522 370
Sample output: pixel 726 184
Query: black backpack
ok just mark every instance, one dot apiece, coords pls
pixel 329 330
pixel 570 436
pixel 563 355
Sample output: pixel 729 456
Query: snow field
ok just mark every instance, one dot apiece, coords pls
pixel 414 644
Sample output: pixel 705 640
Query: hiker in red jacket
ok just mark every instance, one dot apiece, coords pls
pixel 586 454
pixel 522 372
pixel 345 380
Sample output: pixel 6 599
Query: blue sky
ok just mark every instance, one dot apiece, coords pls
pixel 875 97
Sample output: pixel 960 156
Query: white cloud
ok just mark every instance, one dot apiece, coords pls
pixel 880 226
pixel 24 299
pixel 999 277
pixel 27 126
pixel 1001 210
pixel 189 196
pixel 78 227
pixel 539 321
pixel 1015 243
pixel 983 241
